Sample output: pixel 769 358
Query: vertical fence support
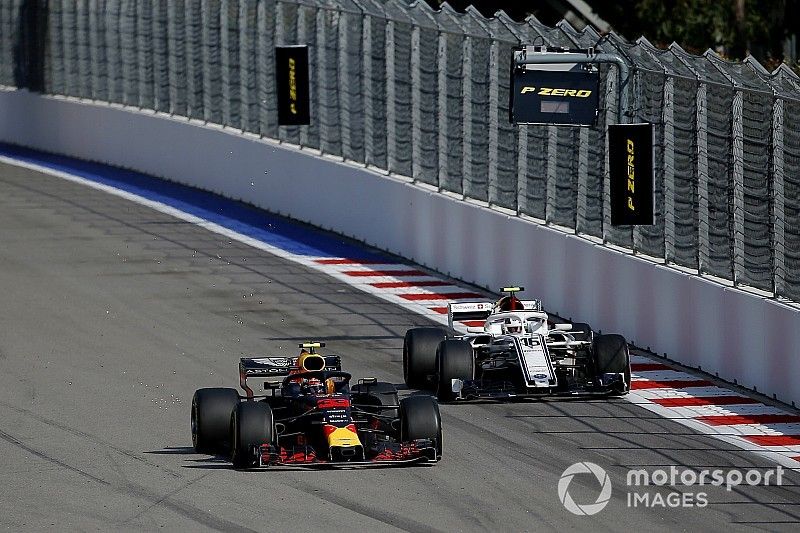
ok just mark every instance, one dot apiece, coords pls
pixel 225 66
pixel 345 87
pixel 778 205
pixel 263 66
pixel 416 98
pixel 391 114
pixel 369 101
pixel 612 106
pixel 703 245
pixel 95 66
pixel 441 104
pixel 494 126
pixel 206 45
pixel 302 38
pixel 466 121
pixel 669 170
pixel 522 170
pixel 246 53
pixel 583 180
pixel 322 95
pixel 552 172
pixel 738 188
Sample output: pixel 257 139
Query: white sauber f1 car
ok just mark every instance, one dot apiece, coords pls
pixel 517 353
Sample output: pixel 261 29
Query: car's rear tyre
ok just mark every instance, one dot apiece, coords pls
pixel 419 355
pixel 420 419
pixel 454 360
pixel 611 356
pixel 211 418
pixel 380 393
pixel 251 425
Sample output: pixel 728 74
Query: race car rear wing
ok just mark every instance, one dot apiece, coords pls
pixel 457 312
pixel 275 367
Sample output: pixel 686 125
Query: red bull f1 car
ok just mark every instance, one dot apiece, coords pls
pixel 517 353
pixel 312 416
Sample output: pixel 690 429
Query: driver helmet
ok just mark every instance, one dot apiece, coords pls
pixel 312 386
pixel 512 326
pixel 509 303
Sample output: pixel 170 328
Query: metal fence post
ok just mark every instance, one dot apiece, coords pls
pixel 225 61
pixel 205 17
pixel 369 111
pixel 522 170
pixel 583 180
pixel 552 172
pixel 494 82
pixel 267 114
pixel 82 46
pixel 247 67
pixel 441 45
pixel 612 106
pixel 778 211
pixel 302 38
pixel 391 115
pixel 96 51
pixel 416 115
pixel 144 43
pixel 669 170
pixel 161 93
pixel 343 35
pixel 466 119
pixel 703 245
pixel 738 188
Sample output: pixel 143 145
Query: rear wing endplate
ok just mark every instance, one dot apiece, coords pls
pixel 457 312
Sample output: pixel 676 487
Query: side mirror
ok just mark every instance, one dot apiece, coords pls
pixel 562 327
pixel 472 329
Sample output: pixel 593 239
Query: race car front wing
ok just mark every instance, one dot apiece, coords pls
pixel 383 453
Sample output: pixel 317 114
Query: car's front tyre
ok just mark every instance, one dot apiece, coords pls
pixel 454 360
pixel 251 425
pixel 611 356
pixel 210 419
pixel 420 419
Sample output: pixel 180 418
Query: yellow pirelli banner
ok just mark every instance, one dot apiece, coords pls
pixel 630 159
pixel 291 76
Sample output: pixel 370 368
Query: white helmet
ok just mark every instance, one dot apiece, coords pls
pixel 512 326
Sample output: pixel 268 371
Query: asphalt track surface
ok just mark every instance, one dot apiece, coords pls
pixel 112 314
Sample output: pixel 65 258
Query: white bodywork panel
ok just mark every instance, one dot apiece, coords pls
pixel 535 361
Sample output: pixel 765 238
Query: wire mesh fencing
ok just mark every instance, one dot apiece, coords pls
pixel 425 94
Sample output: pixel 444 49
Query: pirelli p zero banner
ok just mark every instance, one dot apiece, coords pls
pixel 291 74
pixel 630 156
pixel 568 97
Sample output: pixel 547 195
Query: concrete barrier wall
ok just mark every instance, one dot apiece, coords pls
pixel 741 337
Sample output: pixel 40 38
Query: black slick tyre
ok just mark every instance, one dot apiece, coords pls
pixel 454 360
pixel 419 355
pixel 251 425
pixel 420 419
pixel 211 418
pixel 611 356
